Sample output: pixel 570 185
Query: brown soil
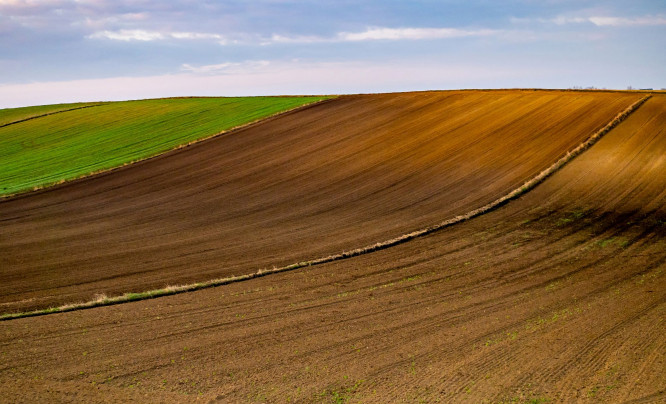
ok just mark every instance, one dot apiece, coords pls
pixel 558 296
pixel 335 176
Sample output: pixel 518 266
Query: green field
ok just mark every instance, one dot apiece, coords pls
pixel 66 145
pixel 13 115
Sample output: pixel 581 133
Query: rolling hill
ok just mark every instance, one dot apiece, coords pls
pixel 558 295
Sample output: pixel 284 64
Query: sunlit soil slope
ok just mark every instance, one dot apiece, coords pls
pixel 334 176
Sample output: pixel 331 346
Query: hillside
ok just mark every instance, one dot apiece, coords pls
pixel 556 296
pixel 334 176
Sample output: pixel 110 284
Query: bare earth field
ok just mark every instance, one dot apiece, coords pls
pixel 558 296
pixel 335 176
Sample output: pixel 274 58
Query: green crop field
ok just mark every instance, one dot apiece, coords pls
pixel 13 115
pixel 65 145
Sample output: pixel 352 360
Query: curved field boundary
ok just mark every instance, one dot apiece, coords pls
pixel 103 300
pixel 51 185
pixel 48 114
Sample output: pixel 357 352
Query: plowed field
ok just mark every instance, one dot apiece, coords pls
pixel 335 176
pixel 557 296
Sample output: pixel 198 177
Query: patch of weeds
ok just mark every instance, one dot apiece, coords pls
pixel 563 221
pixel 558 315
pixel 571 217
pixel 612 241
pixel 509 336
pixel 538 400
pixel 341 395
pixel 412 368
pixel 650 276
pixel 134 296
pixel 578 213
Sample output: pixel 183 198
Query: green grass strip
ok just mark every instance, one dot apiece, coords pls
pixel 46 145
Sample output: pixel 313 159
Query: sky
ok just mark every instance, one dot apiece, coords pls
pixel 54 51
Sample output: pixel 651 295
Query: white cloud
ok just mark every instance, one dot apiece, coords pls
pixel 622 21
pixel 143 35
pixel 195 35
pixel 382 33
pixel 226 68
pixel 28 4
pixel 370 34
pixel 275 38
pixel 373 34
pixel 128 35
pixel 599 21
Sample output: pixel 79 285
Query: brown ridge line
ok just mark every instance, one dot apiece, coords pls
pixel 172 290
pixel 59 183
pixel 49 113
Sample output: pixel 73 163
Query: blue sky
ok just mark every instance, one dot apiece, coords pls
pixel 81 50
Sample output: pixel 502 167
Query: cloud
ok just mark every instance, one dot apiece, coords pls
pixel 128 35
pixel 373 34
pixel 562 20
pixel 625 22
pixel 599 21
pixel 384 34
pixel 370 34
pixel 195 35
pixel 144 35
pixel 23 5
pixel 276 38
pixel 226 68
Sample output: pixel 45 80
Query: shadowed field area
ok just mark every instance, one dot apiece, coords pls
pixel 334 176
pixel 558 296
